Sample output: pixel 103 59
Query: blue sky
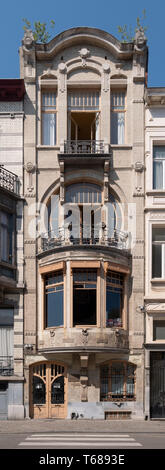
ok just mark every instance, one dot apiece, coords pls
pixel 103 14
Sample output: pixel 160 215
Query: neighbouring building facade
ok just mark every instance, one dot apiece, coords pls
pixel 155 254
pixel 83 251
pixel 11 249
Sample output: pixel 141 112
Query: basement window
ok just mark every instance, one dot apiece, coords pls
pixel 54 292
pixel 84 297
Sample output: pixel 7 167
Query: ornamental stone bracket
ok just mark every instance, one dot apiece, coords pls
pixel 84 376
pixel 30 169
pixel 106 180
pixel 62 68
pixel 84 53
pixel 106 76
pixel 139 168
pixel 28 48
pixel 61 182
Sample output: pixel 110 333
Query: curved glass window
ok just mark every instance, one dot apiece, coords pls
pixel 83 193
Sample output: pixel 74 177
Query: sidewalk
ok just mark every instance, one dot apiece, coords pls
pixel 75 426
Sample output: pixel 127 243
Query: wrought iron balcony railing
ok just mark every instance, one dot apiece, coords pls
pixel 84 146
pixel 9 181
pixel 64 236
pixel 6 365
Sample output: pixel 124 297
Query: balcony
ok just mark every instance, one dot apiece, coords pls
pixel 9 181
pixel 64 237
pixel 83 146
pixel 6 365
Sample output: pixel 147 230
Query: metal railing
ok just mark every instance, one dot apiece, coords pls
pixel 83 146
pixel 64 236
pixel 9 181
pixel 6 365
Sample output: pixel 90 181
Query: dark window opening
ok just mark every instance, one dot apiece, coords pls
pixel 114 299
pixel 54 293
pixel 158 330
pixel 117 382
pixel 84 297
pixel 39 391
pixel 6 236
pixel 57 391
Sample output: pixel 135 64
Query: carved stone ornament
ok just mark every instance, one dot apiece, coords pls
pixel 84 53
pixel 139 167
pixel 28 40
pixel 140 40
pixel 155 307
pixel 30 167
pixel 62 67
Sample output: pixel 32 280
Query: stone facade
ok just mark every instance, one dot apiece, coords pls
pixel 94 359
pixel 11 254
pixel 154 228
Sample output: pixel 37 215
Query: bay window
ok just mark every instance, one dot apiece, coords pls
pixel 114 299
pixel 54 299
pixel 49 118
pixel 84 297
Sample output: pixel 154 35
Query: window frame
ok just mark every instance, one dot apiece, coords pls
pixel 122 294
pixel 116 110
pixel 52 110
pixel 11 235
pixel 45 271
pixel 161 160
pixel 111 364
pixel 162 244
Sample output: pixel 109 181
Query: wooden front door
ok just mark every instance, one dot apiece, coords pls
pixel 48 390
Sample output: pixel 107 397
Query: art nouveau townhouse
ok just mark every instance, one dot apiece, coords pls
pixel 84 225
pixel 155 253
pixel 11 249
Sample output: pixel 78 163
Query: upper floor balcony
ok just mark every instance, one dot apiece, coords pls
pixel 9 181
pixel 91 150
pixel 64 237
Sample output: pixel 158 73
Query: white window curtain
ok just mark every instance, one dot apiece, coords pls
pixel 6 341
pixel 159 167
pixel 49 128
pixel 117 128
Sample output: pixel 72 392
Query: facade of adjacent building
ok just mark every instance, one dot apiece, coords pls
pixel 11 249
pixel 83 226
pixel 155 255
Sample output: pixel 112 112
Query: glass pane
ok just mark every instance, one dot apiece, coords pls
pixel 54 308
pixel 117 381
pixel 156 261
pixel 158 234
pixel 159 152
pixel 84 307
pixel 39 391
pixel 158 330
pixel 113 308
pixel 57 391
pixel 158 175
pixel 6 317
pixel 48 129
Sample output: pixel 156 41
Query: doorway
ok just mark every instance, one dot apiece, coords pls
pixel 48 390
pixel 157 385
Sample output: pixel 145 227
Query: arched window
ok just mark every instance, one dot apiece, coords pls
pixel 83 193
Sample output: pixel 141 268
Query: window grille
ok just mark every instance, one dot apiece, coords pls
pixel 117 381
pixel 83 100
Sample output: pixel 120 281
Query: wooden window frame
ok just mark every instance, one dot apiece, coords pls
pixel 117 109
pixel 44 272
pixel 86 265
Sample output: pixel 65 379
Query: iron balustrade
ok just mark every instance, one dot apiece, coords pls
pixel 9 181
pixel 64 236
pixel 6 365
pixel 83 146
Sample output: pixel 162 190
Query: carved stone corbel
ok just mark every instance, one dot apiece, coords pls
pixel 62 77
pixel 106 72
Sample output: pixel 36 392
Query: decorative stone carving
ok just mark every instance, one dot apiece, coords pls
pixel 62 76
pixel 84 53
pixel 139 167
pixel 85 336
pixel 28 40
pixel 140 40
pixel 30 168
pixel 106 72
pixel 155 307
